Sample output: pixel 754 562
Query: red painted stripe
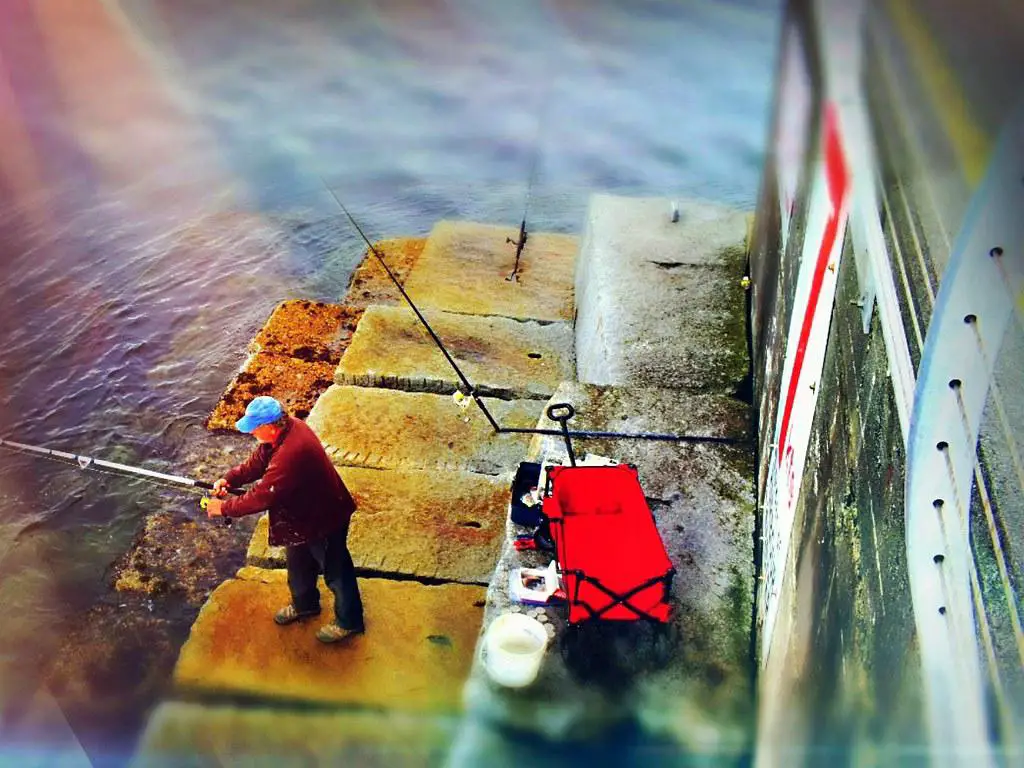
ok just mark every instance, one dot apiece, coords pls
pixel 837 180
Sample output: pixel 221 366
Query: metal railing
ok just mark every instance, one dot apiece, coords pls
pixel 957 538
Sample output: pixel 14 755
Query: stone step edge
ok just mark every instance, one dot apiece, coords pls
pixel 375 573
pixel 188 694
pixel 432 386
pixel 350 459
pixel 245 573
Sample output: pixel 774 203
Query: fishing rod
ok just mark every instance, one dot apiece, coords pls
pixel 121 470
pixel 422 319
pixel 472 391
pixel 514 274
pixel 530 180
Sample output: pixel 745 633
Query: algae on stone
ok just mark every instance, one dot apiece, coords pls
pixel 292 358
pixel 370 284
pixel 307 330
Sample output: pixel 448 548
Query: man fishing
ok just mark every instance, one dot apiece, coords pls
pixel 310 509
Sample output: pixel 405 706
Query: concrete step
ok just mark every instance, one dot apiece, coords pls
pixel 427 525
pixel 414 656
pixel 464 267
pixel 186 733
pixel 659 303
pixel 391 429
pixel 501 357
pixel 691 684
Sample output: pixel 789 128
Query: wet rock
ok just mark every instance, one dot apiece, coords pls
pixel 370 283
pixel 180 554
pixel 114 665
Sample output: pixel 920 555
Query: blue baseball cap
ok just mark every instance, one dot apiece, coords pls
pixel 262 410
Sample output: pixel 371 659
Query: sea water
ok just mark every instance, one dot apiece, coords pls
pixel 164 184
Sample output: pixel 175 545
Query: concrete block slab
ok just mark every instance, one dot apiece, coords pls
pixel 661 304
pixel 664 472
pixel 501 357
pixel 391 429
pixel 432 525
pixel 186 734
pixel 414 656
pixel 556 705
pixel 705 699
pixel 464 266
pixel 260 554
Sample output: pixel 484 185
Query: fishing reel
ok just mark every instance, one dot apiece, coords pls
pixel 204 504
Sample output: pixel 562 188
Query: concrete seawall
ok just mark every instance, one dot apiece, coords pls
pixel 431 539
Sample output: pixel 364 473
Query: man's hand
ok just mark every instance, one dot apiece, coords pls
pixel 214 508
pixel 220 488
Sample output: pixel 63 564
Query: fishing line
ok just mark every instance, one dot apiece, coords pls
pixel 422 319
pixel 531 178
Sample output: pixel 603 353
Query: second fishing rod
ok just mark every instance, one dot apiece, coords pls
pixel 468 389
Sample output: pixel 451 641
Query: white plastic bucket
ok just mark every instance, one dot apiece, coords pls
pixel 515 646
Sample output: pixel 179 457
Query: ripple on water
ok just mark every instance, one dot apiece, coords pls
pixel 122 319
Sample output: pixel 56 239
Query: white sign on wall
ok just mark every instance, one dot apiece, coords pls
pixel 806 342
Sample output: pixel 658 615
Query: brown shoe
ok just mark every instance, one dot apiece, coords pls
pixel 289 614
pixel 332 633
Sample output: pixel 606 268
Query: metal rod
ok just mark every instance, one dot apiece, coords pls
pixel 997 546
pixel 585 435
pixel 514 275
pixel 87 462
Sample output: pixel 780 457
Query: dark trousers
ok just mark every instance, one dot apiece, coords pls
pixel 328 556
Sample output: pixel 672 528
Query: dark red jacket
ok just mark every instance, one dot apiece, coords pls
pixel 297 483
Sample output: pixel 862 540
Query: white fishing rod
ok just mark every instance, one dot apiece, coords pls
pixel 112 467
